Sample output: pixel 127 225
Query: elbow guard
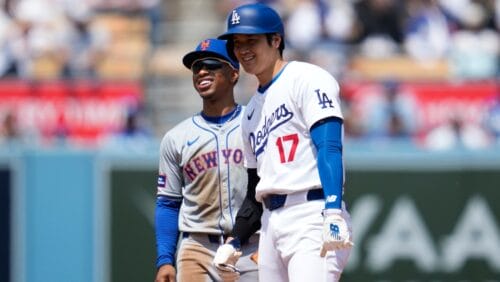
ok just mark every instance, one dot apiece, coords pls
pixel 248 217
pixel 247 220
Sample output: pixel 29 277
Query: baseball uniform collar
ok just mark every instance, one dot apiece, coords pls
pixel 264 88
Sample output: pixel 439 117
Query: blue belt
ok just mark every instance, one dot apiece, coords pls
pixel 212 238
pixel 276 201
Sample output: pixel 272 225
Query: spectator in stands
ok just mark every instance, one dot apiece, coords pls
pixel 427 33
pixel 353 126
pixel 469 13
pixel 14 45
pixel 492 118
pixel 14 132
pixel 305 26
pixel 85 43
pixel 6 66
pixel 455 133
pixel 135 132
pixel 340 19
pixel 154 11
pixel 475 44
pixel 134 125
pixel 475 55
pixel 35 37
pixel 379 27
pixel 496 14
pixel 9 132
pixel 392 113
pixel 319 31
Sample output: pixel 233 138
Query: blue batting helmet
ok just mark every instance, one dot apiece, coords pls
pixel 253 19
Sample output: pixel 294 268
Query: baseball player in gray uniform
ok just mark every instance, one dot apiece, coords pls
pixel 202 181
pixel 292 134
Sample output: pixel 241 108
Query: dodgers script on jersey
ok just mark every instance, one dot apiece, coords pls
pixel 191 144
pixel 299 96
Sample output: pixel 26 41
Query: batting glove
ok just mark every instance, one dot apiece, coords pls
pixel 336 234
pixel 225 260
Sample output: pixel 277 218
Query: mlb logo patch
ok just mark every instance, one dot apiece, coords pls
pixel 162 180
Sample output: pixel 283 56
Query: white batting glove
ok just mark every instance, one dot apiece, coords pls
pixel 336 234
pixel 225 260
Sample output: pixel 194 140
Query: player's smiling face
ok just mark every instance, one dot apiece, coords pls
pixel 213 77
pixel 255 54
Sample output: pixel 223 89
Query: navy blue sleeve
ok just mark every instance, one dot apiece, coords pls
pixel 327 137
pixel 167 229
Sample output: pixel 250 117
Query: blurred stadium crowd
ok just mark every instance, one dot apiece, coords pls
pixel 49 39
pixel 387 42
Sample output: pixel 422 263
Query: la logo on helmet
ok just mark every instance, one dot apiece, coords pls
pixel 235 18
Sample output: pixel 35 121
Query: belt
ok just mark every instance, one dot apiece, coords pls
pixel 276 201
pixel 212 238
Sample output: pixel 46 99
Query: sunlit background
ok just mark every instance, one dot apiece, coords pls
pixel 89 87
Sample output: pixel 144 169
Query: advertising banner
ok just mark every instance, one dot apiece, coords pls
pixel 80 110
pixel 423 106
pixel 133 198
pixel 424 225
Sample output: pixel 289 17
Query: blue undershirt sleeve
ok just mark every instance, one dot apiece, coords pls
pixel 327 137
pixel 167 229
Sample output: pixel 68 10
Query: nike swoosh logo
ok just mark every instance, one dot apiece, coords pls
pixel 250 115
pixel 189 143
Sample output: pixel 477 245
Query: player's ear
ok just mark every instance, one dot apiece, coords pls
pixel 276 40
pixel 235 75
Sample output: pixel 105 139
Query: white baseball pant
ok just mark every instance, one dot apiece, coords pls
pixel 290 243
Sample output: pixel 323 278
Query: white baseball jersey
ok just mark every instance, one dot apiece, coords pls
pixel 202 162
pixel 277 121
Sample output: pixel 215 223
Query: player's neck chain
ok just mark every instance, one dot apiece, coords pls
pixel 222 120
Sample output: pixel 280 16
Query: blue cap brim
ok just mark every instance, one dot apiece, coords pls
pixel 190 58
pixel 210 48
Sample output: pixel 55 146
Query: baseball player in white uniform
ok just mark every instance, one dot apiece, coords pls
pixel 292 133
pixel 202 181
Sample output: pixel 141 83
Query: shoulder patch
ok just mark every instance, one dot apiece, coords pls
pixel 162 180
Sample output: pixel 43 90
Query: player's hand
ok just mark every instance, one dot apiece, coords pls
pixel 225 260
pixel 255 257
pixel 336 234
pixel 166 273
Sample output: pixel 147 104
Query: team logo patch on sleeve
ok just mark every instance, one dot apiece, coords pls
pixel 331 199
pixel 162 179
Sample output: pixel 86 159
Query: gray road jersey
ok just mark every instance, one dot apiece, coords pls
pixel 202 163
